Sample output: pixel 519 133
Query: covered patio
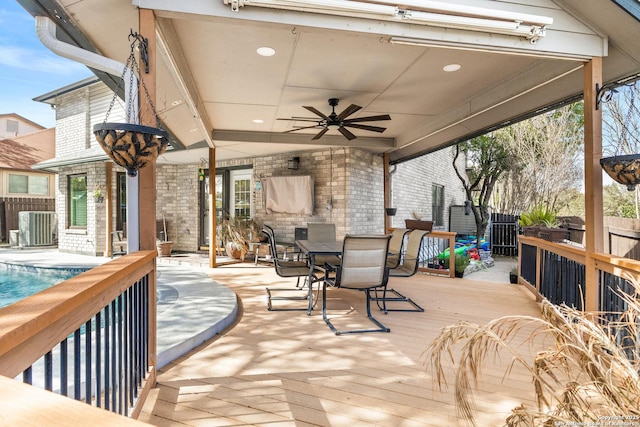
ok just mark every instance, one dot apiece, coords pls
pixel 289 369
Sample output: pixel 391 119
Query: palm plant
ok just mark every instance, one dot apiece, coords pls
pixel 586 377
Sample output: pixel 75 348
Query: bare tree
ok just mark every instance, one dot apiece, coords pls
pixel 621 127
pixel 487 160
pixel 546 152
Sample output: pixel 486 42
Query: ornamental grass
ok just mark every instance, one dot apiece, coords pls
pixel 588 374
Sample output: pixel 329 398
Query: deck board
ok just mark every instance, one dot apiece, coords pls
pixel 288 369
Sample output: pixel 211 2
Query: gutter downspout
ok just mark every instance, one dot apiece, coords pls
pixel 46 32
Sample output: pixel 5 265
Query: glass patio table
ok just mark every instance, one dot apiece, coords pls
pixel 313 248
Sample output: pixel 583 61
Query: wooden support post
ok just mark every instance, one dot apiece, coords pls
pixel 387 191
pixel 108 207
pixel 213 242
pixel 147 175
pixel 593 180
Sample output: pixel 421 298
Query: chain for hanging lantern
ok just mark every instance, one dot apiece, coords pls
pixel 132 145
pixel 623 169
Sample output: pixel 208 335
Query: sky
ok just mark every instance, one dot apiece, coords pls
pixel 28 69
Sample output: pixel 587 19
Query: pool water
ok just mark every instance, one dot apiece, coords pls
pixel 17 284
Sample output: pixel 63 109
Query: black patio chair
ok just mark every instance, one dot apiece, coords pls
pixel 289 268
pixel 363 267
pixel 408 267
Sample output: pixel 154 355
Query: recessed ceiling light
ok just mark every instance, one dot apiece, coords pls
pixel 176 102
pixel 258 121
pixel 451 67
pixel 266 51
pixel 193 129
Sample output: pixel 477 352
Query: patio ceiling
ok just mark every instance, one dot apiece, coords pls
pixel 212 85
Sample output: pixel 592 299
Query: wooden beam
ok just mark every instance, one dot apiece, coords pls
pixel 592 179
pixel 108 202
pixel 213 242
pixel 147 175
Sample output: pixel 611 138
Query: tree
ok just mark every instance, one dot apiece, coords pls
pixel 621 132
pixel 487 160
pixel 546 156
pixel 617 201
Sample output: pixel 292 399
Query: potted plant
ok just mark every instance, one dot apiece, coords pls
pixel 543 223
pixel 236 234
pixel 98 197
pixel 417 223
pixel 513 276
pixel 164 246
pixel 461 263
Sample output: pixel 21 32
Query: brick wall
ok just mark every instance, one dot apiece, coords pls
pixel 348 191
pixel 177 199
pixel 411 186
pixel 89 241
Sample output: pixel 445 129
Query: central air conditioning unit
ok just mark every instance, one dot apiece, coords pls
pixel 37 228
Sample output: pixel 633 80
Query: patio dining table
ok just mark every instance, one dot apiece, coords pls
pixel 311 249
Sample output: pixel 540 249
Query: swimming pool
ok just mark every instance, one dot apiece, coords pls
pixel 16 284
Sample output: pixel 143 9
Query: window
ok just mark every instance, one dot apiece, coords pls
pixel 18 184
pixel 241 193
pixel 39 185
pixel 77 201
pixel 13 126
pixel 121 210
pixel 29 184
pixel 437 204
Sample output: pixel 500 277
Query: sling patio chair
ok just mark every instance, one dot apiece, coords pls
pixel 409 267
pixel 363 267
pixel 287 269
pixel 396 245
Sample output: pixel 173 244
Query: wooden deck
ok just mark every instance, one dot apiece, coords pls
pixel 288 369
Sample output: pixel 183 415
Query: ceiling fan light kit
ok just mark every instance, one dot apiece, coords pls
pixel 339 121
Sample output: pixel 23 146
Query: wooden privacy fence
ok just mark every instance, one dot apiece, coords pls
pixel 10 207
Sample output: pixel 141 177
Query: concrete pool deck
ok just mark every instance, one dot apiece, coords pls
pixel 192 307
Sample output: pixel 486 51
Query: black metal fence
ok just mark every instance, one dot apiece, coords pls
pixel 563 280
pixel 504 234
pixel 108 355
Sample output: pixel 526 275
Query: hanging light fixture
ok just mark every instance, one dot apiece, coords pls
pixel 623 169
pixel 293 163
pixel 132 145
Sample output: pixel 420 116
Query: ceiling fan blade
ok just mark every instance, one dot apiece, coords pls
pixel 369 118
pixel 348 111
pixel 316 111
pixel 319 134
pixel 345 132
pixel 365 127
pixel 301 119
pixel 300 128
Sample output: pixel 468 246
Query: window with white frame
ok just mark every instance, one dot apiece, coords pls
pixel 77 201
pixel 437 204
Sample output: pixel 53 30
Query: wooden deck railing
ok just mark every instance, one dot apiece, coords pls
pixel 557 272
pixel 433 244
pixel 102 323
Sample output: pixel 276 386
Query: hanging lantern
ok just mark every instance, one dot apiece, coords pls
pixel 131 145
